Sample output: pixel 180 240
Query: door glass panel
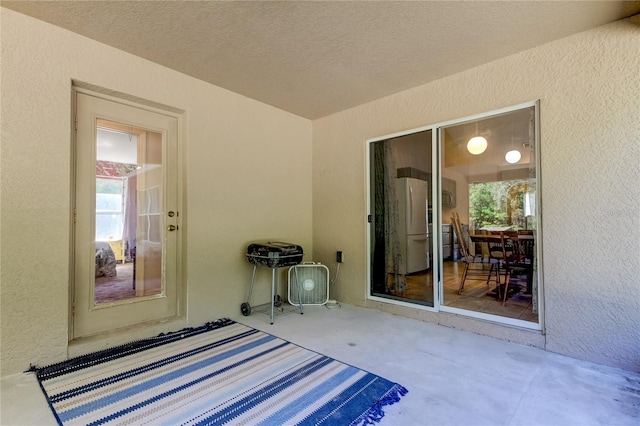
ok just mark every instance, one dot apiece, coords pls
pixel 494 238
pixel 401 221
pixel 128 213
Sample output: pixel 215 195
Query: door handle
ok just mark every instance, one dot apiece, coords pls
pixel 171 228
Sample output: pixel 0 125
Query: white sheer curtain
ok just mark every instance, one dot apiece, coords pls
pixel 393 258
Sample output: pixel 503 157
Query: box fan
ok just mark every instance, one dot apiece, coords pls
pixel 313 284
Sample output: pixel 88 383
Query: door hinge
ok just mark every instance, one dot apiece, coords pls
pixel 75 215
pixel 369 218
pixel 76 122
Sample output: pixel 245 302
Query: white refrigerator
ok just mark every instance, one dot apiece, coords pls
pixel 413 199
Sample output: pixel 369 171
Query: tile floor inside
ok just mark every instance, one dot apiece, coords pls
pixel 453 377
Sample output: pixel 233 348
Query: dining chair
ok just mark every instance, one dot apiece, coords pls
pixel 495 249
pixel 500 250
pixel 473 265
pixel 520 262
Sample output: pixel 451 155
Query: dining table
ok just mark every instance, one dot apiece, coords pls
pixel 524 244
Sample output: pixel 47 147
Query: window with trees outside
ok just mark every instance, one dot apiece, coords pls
pixel 501 204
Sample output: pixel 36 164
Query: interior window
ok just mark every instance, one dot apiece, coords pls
pixel 109 209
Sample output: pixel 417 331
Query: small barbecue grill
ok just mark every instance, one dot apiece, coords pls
pixel 273 255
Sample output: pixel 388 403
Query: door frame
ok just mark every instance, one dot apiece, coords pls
pixel 153 107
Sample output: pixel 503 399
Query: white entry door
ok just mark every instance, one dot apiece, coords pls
pixel 126 215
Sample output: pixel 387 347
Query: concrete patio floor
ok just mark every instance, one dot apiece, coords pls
pixel 453 377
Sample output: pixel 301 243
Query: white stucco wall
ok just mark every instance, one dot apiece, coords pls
pixel 589 90
pixel 247 170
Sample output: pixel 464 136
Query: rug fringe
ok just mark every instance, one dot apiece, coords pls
pixel 137 389
pixel 375 412
pixel 84 361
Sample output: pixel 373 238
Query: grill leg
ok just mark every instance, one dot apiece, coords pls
pixel 273 290
pixel 253 280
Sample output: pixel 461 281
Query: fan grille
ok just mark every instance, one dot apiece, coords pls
pixel 314 285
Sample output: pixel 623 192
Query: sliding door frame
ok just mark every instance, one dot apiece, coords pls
pixel 436 248
pixel 369 238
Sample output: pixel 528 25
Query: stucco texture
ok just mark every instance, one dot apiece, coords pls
pixel 247 176
pixel 589 93
pixel 255 172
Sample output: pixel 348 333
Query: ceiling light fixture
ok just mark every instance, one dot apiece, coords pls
pixel 514 155
pixel 477 144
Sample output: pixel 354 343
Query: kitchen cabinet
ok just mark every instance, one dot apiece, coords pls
pixel 448 193
pixel 447 241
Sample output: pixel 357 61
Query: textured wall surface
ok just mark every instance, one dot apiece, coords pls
pixel 589 93
pixel 239 184
pixel 238 151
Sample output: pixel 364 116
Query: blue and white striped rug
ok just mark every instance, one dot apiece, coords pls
pixel 221 373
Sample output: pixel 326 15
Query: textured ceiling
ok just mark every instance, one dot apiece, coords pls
pixel 317 58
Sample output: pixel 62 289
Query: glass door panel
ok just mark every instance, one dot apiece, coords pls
pixel 494 220
pixel 128 212
pixel 401 221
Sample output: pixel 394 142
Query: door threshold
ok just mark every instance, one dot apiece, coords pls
pixel 109 339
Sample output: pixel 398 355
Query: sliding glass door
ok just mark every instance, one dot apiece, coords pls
pixel 454 217
pixel 401 223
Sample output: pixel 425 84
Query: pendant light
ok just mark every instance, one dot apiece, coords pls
pixel 514 155
pixel 477 144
